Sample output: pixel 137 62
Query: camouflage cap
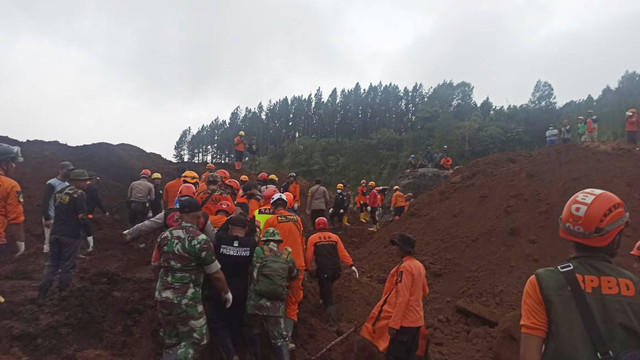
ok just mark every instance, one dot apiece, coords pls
pixel 79 175
pixel 271 234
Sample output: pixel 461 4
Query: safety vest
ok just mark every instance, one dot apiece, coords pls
pixel 261 215
pixel 613 296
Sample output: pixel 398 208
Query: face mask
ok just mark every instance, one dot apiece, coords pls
pixel 339 191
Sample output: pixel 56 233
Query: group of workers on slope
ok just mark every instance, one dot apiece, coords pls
pixel 370 199
pixel 587 130
pixel 441 160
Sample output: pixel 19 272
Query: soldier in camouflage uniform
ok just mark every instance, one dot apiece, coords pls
pixel 183 255
pixel 266 313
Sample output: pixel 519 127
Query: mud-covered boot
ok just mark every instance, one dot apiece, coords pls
pixel 331 315
pixel 289 324
pixel 362 218
pixel 282 352
pixel 345 220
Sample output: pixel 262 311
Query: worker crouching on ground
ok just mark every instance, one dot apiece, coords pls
pixel 398 203
pixel 340 207
pixel 446 162
pixel 290 228
pixel 586 307
pixel 328 251
pixel 272 268
pixel 234 246
pixel 395 323
pixel 183 256
pixel 66 233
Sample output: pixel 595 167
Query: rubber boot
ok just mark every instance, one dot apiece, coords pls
pixel 362 217
pixel 367 216
pixel 331 314
pixel 90 242
pixel 282 352
pixel 345 220
pixel 238 165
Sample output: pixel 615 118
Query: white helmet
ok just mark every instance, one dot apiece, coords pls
pixel 278 196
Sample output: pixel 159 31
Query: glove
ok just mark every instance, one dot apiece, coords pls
pixel 355 271
pixel 331 211
pixel 228 299
pixel 20 248
pixel 295 206
pixel 369 208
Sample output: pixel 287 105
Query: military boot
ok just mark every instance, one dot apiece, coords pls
pixel 282 352
pixel 289 324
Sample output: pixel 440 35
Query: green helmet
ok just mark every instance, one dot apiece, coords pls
pixel 79 175
pixel 271 234
pixel 8 152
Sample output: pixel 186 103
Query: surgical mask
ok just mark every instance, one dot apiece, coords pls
pixel 339 191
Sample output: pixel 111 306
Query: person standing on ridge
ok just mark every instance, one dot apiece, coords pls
pixel 290 228
pixel 361 201
pixel 317 201
pixel 328 251
pixel 267 297
pixel 171 188
pixel 182 257
pixel 138 196
pixel 238 144
pixel 631 126
pixel 340 207
pixel 50 188
pixel 71 216
pixel 582 130
pixel 428 157
pixel 592 128
pixel 586 307
pixel 398 202
pixel 565 132
pixel 552 135
pixel 11 200
pixel 374 202
pixel 158 189
pixel 412 163
pixel 395 323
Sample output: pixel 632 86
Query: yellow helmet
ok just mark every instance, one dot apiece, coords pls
pixel 244 178
pixel 156 176
pixel 241 133
pixel 190 177
pixel 273 177
pixel 340 187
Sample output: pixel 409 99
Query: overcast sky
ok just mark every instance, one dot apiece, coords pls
pixel 141 71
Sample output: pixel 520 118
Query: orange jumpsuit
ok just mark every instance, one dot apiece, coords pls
pixel 11 209
pixel 170 192
pixel 294 189
pixel 401 303
pixel 290 228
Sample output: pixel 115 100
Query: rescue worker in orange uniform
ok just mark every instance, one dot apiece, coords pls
pixel 171 188
pixel 203 178
pixel 361 201
pixel 241 200
pixel 395 323
pixel 290 228
pixel 189 177
pixel 373 200
pixel 254 198
pixel 292 187
pixel 207 197
pixel 328 250
pixel 446 162
pixel 224 175
pixel 223 211
pixel 11 209
pixel 587 294
pixel 408 200
pixel 238 144
pixel 398 202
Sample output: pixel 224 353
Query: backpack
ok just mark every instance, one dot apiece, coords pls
pixel 272 276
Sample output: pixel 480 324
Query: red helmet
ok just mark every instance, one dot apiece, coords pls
pixel 636 249
pixel 263 176
pixel 187 190
pixel 289 197
pixel 234 184
pixel 145 173
pixel 225 206
pixel 211 167
pixel 267 195
pixel 224 174
pixel 593 217
pixel 322 223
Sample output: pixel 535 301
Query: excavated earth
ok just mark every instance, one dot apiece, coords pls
pixel 480 235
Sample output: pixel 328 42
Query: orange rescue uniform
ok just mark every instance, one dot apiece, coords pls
pixel 361 197
pixel 254 205
pixel 217 220
pixel 239 143
pixel 398 200
pixel 327 237
pixel 290 228
pixel 294 189
pixel 11 209
pixel 401 303
pixel 171 192
pixel 446 162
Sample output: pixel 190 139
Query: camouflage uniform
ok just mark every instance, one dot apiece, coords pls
pixel 268 313
pixel 185 255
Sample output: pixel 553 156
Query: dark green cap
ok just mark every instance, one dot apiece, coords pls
pixel 79 175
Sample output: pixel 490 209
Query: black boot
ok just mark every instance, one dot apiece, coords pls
pixel 282 352
pixel 253 343
pixel 331 314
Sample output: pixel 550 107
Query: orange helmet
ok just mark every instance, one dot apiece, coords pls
pixel 224 174
pixel 191 177
pixel 145 173
pixel 340 187
pixel 372 184
pixel 244 178
pixel 268 194
pixel 187 190
pixel 225 206
pixel 263 176
pixel 321 223
pixel 234 184
pixel 211 167
pixel 593 217
pixel 289 197
pixel 636 249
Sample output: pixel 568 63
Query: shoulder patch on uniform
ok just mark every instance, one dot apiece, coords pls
pixel 399 277
pixel 20 197
pixel 287 218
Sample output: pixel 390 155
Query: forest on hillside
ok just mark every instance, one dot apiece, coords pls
pixel 370 132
